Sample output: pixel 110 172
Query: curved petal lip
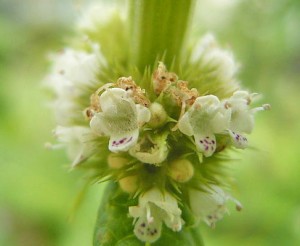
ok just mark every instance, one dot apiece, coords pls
pixel 148 232
pixel 239 140
pixel 123 142
pixel 206 143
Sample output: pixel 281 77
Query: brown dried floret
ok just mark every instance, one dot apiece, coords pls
pixel 137 94
pixel 94 107
pixel 188 95
pixel 162 79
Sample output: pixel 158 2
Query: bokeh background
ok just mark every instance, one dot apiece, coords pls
pixel 37 191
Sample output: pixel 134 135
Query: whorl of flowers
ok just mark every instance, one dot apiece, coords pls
pixel 162 135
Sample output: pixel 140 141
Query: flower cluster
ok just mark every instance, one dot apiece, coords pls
pixel 163 137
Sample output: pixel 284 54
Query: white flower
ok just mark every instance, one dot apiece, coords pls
pixel 205 118
pixel 76 68
pixel 156 150
pixel 155 208
pixel 72 72
pixel 209 205
pixel 99 15
pixel 242 117
pixel 207 42
pixel 208 51
pixel 79 142
pixel 120 119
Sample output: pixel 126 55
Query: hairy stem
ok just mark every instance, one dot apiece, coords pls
pixel 157 30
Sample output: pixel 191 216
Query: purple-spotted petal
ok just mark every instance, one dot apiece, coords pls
pixel 206 144
pixel 148 232
pixel 123 142
pixel 238 140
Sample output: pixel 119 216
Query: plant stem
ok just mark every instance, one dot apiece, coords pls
pixel 157 29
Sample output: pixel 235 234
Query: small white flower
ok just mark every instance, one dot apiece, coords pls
pixel 205 118
pixel 209 205
pixel 242 117
pixel 79 142
pixel 72 72
pixel 208 41
pixel 120 119
pixel 207 50
pixel 99 15
pixel 156 151
pixel 155 208
pixel 76 67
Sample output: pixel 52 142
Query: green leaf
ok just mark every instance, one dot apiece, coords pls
pixel 114 227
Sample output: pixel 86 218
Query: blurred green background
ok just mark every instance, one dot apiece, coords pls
pixel 37 192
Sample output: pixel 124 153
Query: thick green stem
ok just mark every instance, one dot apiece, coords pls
pixel 157 29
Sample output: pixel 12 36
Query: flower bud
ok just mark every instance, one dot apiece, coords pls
pixel 158 115
pixel 181 170
pixel 129 184
pixel 115 161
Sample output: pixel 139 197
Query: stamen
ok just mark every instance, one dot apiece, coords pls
pixel 266 106
pixel 262 108
pixel 53 146
pixel 227 105
pixel 150 219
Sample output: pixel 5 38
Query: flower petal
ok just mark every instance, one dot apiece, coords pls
pixel 220 122
pixel 143 114
pixel 239 141
pixel 242 121
pixel 155 154
pixel 135 211
pixel 123 142
pixel 209 205
pixel 79 142
pixel 98 125
pixel 210 102
pixel 174 223
pixel 168 204
pixel 148 232
pixel 244 95
pixel 111 97
pixel 206 143
pixel 184 125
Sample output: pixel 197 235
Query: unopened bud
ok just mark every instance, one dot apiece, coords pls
pixel 129 184
pixel 181 170
pixel 238 205
pixel 158 115
pixel 267 107
pixel 115 161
